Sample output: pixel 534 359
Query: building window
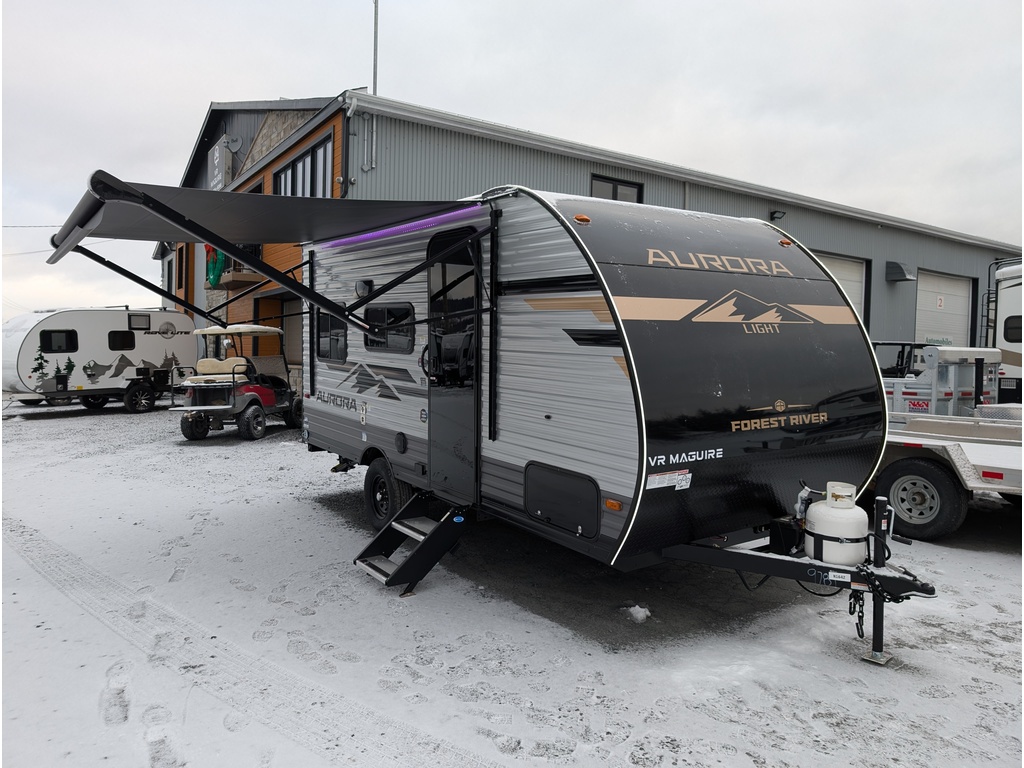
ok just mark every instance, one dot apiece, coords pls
pixel 121 340
pixel 308 175
pixel 613 189
pixel 179 267
pixel 58 341
pixel 332 337
pixel 400 340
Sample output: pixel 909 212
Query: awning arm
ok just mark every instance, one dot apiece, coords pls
pixel 107 188
pixel 424 265
pixel 254 288
pixel 148 285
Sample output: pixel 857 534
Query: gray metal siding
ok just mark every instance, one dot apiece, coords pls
pixel 420 161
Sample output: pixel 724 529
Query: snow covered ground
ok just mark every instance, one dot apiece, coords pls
pixel 170 603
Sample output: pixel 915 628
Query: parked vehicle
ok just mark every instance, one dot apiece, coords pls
pixel 1007 331
pixel 638 384
pixel 96 354
pixel 947 439
pixel 243 390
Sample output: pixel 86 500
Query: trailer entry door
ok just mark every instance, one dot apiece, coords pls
pixel 450 360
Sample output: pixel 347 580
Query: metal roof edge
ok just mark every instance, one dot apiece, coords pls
pixel 356 100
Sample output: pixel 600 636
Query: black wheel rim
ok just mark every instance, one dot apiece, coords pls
pixel 381 498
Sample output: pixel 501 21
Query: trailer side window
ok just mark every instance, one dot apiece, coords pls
pixel 58 341
pixel 332 337
pixel 1011 329
pixel 401 339
pixel 121 340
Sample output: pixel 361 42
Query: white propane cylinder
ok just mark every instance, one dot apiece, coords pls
pixel 837 517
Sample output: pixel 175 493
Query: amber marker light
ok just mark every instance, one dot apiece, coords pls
pixel 581 218
pixel 785 243
pixel 613 505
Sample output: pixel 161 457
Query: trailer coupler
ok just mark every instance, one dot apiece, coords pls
pixel 885 583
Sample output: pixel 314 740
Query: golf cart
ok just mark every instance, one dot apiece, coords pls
pixel 245 390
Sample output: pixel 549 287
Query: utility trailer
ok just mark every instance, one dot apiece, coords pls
pixel 95 354
pixel 947 439
pixel 638 384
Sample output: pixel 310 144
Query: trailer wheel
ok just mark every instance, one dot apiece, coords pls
pixel 195 428
pixel 927 498
pixel 252 423
pixel 58 401
pixel 384 494
pixel 139 397
pixel 93 402
pixel 293 416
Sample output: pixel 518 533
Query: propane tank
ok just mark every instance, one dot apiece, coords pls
pixel 836 529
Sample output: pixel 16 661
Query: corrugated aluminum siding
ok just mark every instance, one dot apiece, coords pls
pixel 417 161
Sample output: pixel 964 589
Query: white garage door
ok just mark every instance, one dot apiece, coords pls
pixel 943 309
pixel 850 274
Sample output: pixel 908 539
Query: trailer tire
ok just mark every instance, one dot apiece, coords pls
pixel 195 428
pixel 139 397
pixel 927 498
pixel 383 493
pixel 293 416
pixel 252 423
pixel 93 402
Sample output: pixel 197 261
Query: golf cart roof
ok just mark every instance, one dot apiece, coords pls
pixel 240 329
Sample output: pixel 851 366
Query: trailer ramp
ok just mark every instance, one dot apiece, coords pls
pixel 412 543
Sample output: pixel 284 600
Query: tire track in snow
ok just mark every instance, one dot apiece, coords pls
pixel 327 723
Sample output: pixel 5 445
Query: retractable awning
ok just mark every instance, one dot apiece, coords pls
pixel 115 209
pixel 228 221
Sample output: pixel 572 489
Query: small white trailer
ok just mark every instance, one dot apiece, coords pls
pixel 946 439
pixel 95 354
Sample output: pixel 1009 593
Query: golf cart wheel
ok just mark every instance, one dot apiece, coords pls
pixel 139 397
pixel 252 423
pixel 928 500
pixel 384 494
pixel 93 402
pixel 195 428
pixel 293 416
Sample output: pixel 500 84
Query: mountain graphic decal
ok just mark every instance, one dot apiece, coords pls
pixel 738 307
pixel 363 380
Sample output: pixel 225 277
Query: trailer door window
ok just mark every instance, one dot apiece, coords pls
pixel 391 339
pixel 121 340
pixel 332 337
pixel 58 341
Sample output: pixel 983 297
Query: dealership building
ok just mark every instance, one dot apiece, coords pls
pixel 908 281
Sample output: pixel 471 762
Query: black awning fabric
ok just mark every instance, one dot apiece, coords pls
pixel 114 209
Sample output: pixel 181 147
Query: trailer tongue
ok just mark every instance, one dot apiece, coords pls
pixel 638 384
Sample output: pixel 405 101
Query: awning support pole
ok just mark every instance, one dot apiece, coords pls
pixel 148 285
pixel 107 190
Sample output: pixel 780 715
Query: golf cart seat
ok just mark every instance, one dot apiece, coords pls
pixel 210 370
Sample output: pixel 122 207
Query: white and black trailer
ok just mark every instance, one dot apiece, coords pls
pixel 96 354
pixel 636 383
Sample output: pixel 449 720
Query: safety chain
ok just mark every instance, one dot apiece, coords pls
pixel 857 608
pixel 877 590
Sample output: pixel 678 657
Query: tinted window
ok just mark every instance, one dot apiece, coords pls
pixel 332 337
pixel 1011 329
pixel 121 340
pixel 58 341
pixel 391 339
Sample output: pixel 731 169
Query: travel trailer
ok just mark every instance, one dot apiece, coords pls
pixel 97 354
pixel 638 384
pixel 1008 331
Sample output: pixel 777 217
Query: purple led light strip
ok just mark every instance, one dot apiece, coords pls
pixel 411 226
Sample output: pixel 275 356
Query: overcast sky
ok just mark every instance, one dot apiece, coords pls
pixel 911 109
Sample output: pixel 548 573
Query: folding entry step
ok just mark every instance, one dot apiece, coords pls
pixel 425 542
